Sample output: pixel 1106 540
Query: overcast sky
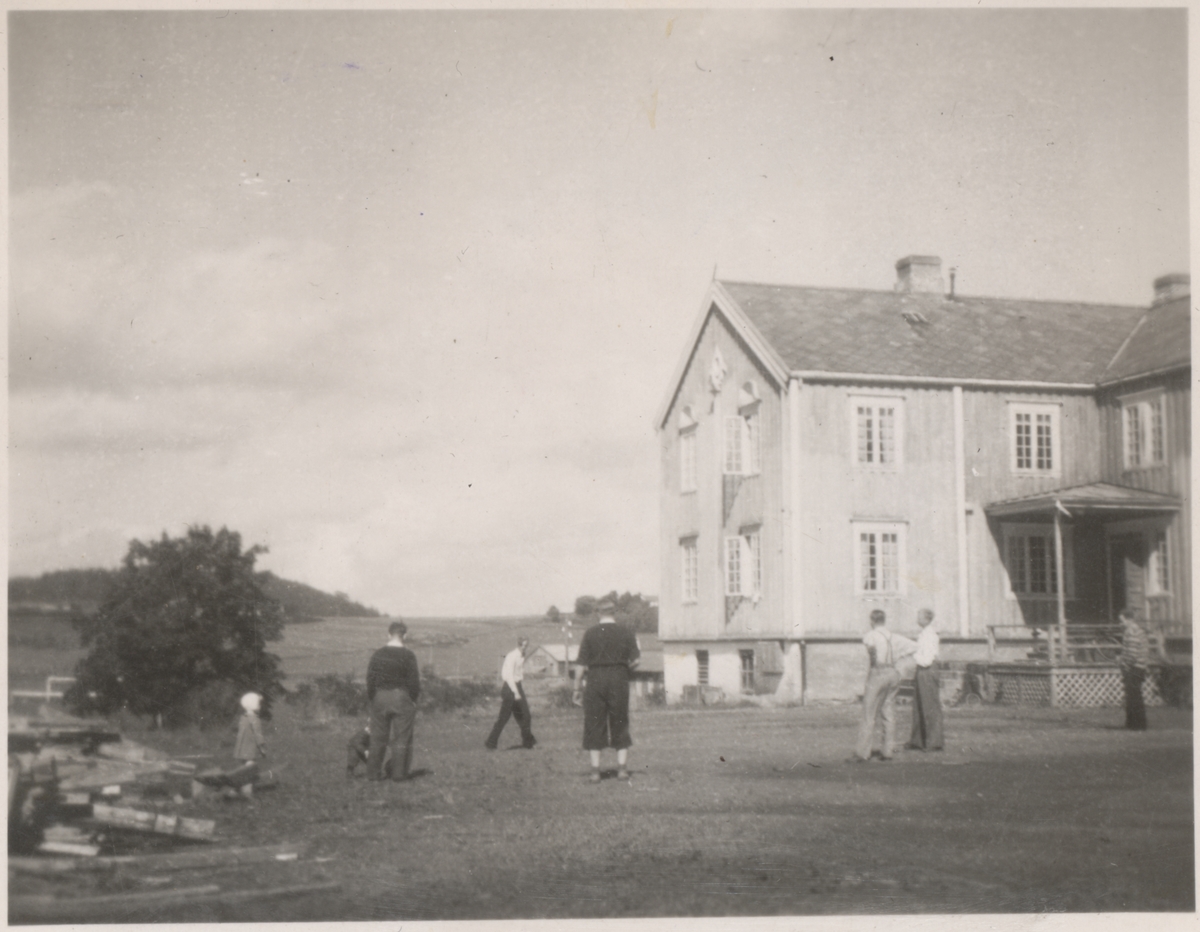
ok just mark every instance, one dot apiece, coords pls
pixel 397 294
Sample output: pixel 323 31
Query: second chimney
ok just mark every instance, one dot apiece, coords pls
pixel 1169 287
pixel 919 274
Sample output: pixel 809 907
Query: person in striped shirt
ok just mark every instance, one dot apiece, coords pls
pixel 1135 661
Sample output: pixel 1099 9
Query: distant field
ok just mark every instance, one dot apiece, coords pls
pixel 41 646
pixel 453 646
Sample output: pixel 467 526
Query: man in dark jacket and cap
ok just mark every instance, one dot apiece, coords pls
pixel 608 652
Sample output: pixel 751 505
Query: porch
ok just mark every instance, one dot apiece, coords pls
pixel 1081 555
pixel 1075 665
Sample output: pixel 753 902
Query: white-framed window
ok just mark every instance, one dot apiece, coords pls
pixel 1144 431
pixel 1035 448
pixel 743 564
pixel 743 443
pixel 687 460
pixel 702 667
pixel 1031 564
pixel 877 426
pixel 879 558
pixel 690 566
pixel 1160 564
pixel 747 659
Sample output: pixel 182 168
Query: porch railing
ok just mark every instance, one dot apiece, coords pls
pixel 1058 645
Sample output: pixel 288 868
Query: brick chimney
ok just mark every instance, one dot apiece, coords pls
pixel 1169 287
pixel 919 274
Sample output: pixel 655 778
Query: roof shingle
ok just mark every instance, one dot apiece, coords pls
pixel 1162 339
pixel 878 333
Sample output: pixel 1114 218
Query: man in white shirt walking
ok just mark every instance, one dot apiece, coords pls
pixel 884 650
pixel 927 699
pixel 513 703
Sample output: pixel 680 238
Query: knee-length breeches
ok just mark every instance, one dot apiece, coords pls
pixel 606 709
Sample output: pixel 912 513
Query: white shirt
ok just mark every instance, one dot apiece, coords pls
pixel 886 647
pixel 512 671
pixel 927 646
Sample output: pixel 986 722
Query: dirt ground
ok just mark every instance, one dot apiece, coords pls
pixel 729 812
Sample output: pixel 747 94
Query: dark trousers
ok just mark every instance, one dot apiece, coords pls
pixel 927 710
pixel 513 706
pixel 1135 704
pixel 393 714
pixel 606 708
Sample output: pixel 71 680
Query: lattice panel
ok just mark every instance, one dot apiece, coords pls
pixel 1089 688
pixel 1022 688
pixel 1151 690
pixel 1077 688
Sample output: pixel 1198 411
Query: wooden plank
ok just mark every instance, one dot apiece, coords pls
pixel 52 908
pixel 76 777
pixel 142 821
pixel 179 860
pixel 69 847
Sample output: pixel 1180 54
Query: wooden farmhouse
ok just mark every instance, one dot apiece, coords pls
pixel 1010 464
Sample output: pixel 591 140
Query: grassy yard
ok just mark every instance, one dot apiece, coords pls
pixel 734 812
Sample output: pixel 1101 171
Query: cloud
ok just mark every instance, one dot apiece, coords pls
pixel 131 311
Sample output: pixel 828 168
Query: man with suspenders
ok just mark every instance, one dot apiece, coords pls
pixel 884 650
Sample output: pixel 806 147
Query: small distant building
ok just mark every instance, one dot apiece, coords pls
pixel 551 660
pixel 828 451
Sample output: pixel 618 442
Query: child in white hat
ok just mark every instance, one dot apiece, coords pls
pixel 250 744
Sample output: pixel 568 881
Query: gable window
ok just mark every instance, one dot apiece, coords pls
pixel 877 424
pixel 879 558
pixel 742 444
pixel 743 564
pixel 1031 564
pixel 1160 565
pixel 690 565
pixel 702 667
pixel 1144 430
pixel 743 435
pixel 747 659
pixel 1034 439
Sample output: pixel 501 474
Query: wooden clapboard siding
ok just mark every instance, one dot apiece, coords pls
pixel 990 478
pixel 701 514
pixel 1173 477
pixel 837 492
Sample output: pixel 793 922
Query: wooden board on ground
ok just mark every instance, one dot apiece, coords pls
pixel 161 823
pixel 179 860
pixel 53 908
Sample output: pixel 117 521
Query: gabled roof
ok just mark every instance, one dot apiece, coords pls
pixel 831 330
pixel 555 651
pixel 1102 498
pixel 1161 340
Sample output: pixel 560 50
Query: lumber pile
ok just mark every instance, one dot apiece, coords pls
pixel 81 797
pixel 60 768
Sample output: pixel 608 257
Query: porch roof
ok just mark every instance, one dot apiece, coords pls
pixel 1099 499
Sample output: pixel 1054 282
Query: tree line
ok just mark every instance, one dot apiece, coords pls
pixel 633 610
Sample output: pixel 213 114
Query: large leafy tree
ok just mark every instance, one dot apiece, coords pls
pixel 182 632
pixel 632 610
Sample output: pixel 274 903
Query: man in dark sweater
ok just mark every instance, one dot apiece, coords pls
pixel 393 684
pixel 608 651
